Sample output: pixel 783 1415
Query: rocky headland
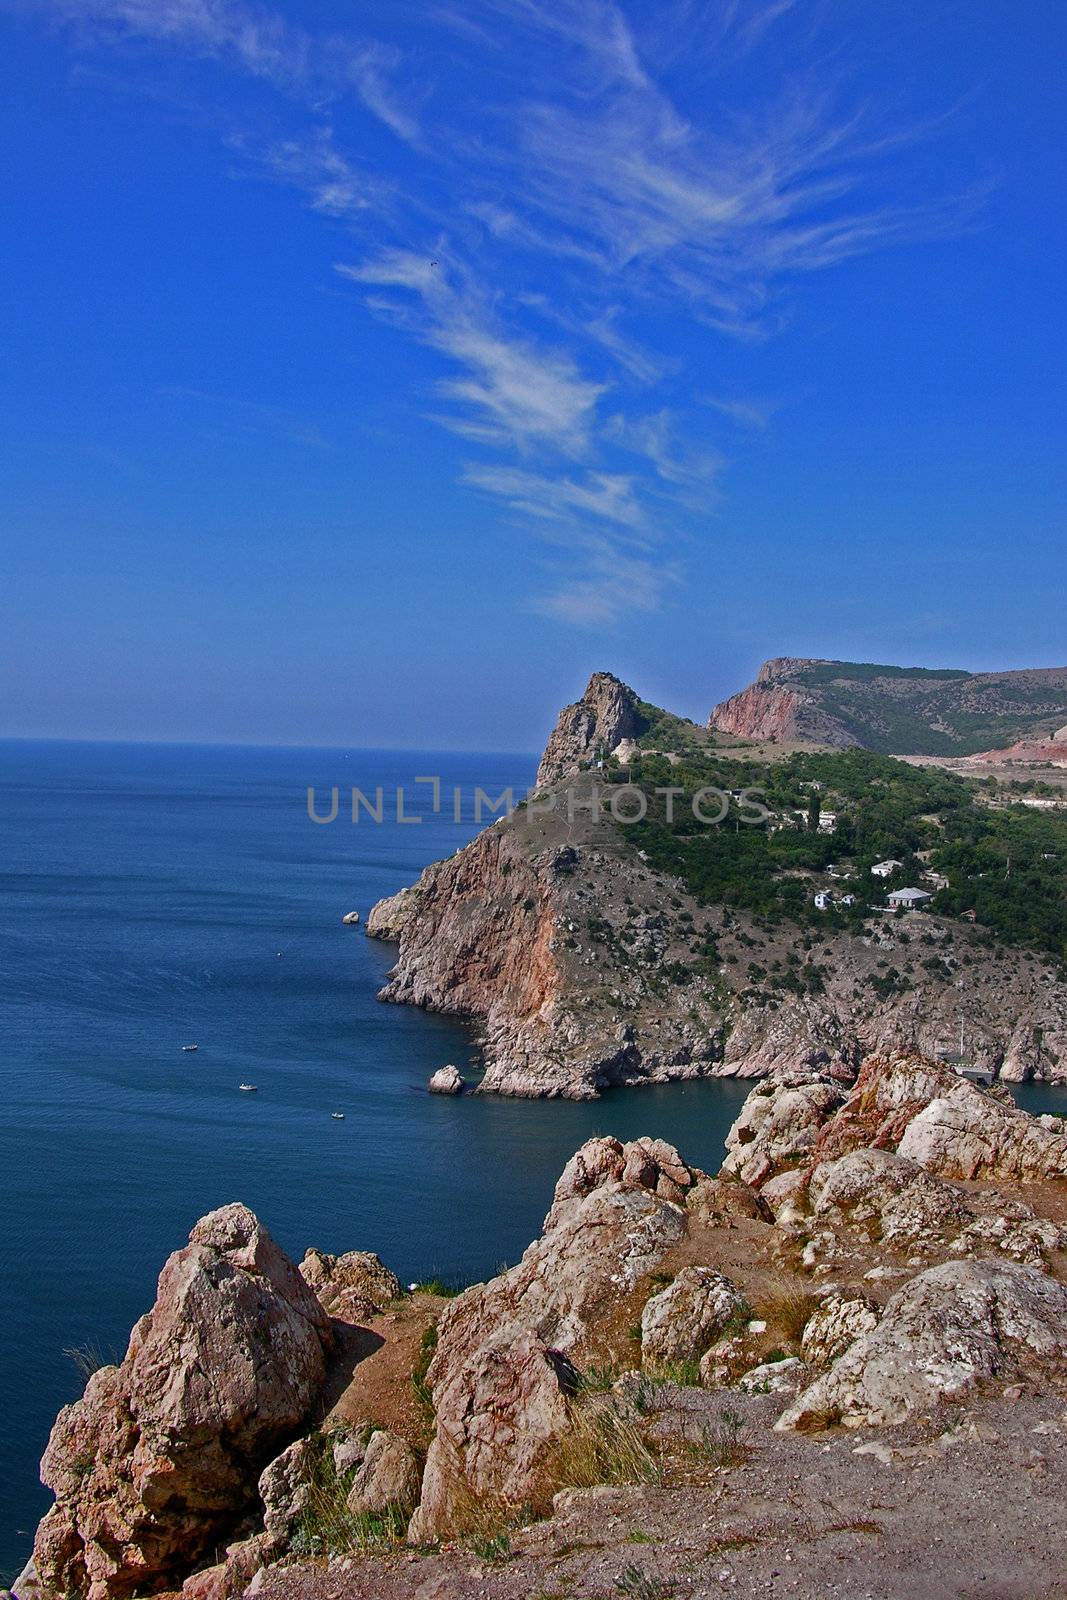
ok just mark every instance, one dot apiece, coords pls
pixel 837 1367
pixel 584 964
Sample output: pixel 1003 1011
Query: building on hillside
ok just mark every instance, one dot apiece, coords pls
pixel 936 880
pixel 827 821
pixel 885 869
pixel 848 899
pixel 823 900
pixel 908 899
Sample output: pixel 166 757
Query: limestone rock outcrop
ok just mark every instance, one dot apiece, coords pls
pixel 386 1479
pixel 389 917
pixel 835 1324
pixel 158 1460
pixel 595 725
pixel 679 1323
pixel 507 1350
pixel 352 1286
pixel 943 1333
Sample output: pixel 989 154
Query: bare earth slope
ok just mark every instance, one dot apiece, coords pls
pixel 899 710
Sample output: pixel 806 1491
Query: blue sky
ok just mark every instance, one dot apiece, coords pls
pixel 372 374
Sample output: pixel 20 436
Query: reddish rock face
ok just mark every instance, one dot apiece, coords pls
pixel 156 1463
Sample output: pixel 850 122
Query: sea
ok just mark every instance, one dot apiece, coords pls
pixel 154 896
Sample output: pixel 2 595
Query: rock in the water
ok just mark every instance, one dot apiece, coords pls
pixel 350 918
pixel 353 1286
pixel 387 1478
pixel 447 1080
pixel 679 1324
pixel 942 1334
pixel 159 1459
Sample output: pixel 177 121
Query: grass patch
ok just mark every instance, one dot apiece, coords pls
pixel 326 1527
pixel 640 1585
pixel 87 1359
pixel 788 1308
pixel 602 1447
pixel 492 1548
pixel 720 1441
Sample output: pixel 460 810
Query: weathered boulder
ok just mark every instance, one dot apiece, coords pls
pixel 776 1377
pixel 229 1579
pixel 905 1202
pixel 967 1134
pixel 714 1201
pixel 943 1333
pixel 387 1477
pixel 501 1372
pixel 836 1323
pixel 679 1323
pixel 285 1488
pixel 351 1286
pixel 447 1080
pixel 159 1459
pixel 350 918
pixel 500 1414
pixel 779 1125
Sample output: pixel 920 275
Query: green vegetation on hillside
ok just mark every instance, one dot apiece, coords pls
pixel 1005 864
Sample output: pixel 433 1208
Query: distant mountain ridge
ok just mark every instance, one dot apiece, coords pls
pixel 896 710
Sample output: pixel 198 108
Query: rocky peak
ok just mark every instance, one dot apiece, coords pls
pixel 608 712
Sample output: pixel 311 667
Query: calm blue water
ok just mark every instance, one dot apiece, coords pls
pixel 145 892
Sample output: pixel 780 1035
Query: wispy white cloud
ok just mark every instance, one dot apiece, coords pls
pixel 602 495
pixel 572 204
pixel 258 41
pixel 512 391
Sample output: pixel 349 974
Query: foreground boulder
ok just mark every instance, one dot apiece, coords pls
pixel 447 1080
pixel 352 1286
pixel 505 1365
pixel 158 1461
pixel 942 1334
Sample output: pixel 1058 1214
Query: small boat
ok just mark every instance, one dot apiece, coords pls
pixel 338 1116
pixel 248 1088
pixel 187 1047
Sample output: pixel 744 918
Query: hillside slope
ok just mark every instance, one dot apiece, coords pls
pixel 896 710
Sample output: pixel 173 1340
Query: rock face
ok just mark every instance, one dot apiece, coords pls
pixel 389 918
pixel 352 1286
pixel 158 1460
pixel 679 1324
pixel 447 1080
pixel 928 1120
pixel 836 1323
pixel 503 1369
pixel 942 1334
pixel 901 711
pixel 583 966
pixel 595 725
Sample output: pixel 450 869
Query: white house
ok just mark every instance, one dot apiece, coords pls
pixel 909 899
pixel 823 900
pixel 827 821
pixel 885 869
pixel 936 880
pixel 848 899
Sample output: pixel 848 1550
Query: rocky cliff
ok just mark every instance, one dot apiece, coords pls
pixel 872 1283
pixel 901 710
pixel 582 966
pixel 592 727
